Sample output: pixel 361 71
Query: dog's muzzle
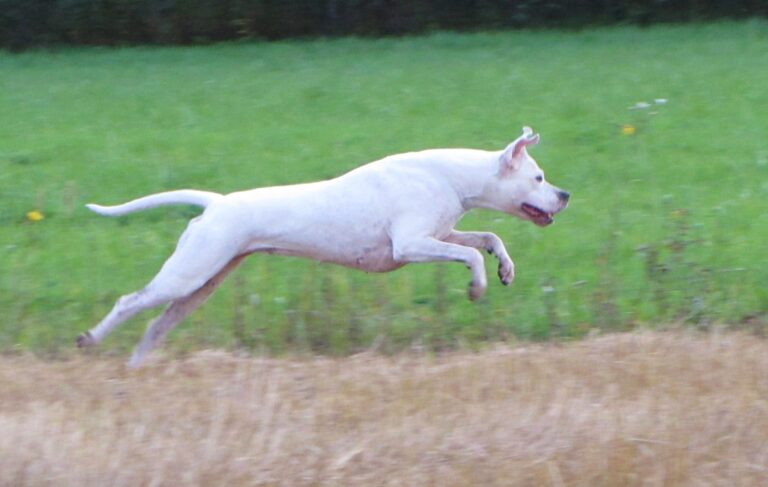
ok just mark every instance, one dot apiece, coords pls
pixel 544 218
pixel 537 215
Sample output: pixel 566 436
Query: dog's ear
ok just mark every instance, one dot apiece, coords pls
pixel 510 158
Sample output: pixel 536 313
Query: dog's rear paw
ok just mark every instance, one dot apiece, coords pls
pixel 85 340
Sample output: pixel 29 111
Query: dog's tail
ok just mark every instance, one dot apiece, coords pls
pixel 180 197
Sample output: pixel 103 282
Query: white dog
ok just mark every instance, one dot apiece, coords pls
pixel 375 218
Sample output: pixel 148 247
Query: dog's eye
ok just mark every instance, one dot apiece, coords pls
pixel 539 178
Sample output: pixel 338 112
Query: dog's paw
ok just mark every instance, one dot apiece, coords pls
pixel 85 340
pixel 476 290
pixel 506 272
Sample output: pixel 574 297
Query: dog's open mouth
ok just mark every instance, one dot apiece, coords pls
pixel 537 215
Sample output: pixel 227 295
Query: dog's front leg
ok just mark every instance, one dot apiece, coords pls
pixel 493 244
pixel 427 249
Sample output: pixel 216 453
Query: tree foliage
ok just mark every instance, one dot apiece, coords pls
pixel 25 23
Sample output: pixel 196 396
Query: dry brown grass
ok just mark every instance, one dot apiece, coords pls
pixel 632 409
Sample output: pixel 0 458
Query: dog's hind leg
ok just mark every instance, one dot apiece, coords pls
pixel 124 308
pixel 200 255
pixel 177 311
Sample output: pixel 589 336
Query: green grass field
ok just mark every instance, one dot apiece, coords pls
pixel 667 221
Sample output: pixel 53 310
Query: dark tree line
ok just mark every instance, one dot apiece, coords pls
pixel 26 23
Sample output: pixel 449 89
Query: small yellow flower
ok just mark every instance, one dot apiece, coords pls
pixel 628 129
pixel 35 216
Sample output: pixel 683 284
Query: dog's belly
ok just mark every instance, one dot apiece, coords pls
pixel 373 256
pixel 373 260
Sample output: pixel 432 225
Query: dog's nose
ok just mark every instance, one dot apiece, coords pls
pixel 563 195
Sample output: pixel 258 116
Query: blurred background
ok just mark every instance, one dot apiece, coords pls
pixel 652 114
pixel 118 22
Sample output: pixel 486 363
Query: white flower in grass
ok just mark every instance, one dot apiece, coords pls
pixel 641 105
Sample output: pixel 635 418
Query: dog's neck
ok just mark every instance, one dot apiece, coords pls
pixel 472 179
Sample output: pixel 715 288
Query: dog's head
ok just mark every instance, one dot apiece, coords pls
pixel 520 185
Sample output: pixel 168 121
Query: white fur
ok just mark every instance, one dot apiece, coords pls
pixel 376 218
